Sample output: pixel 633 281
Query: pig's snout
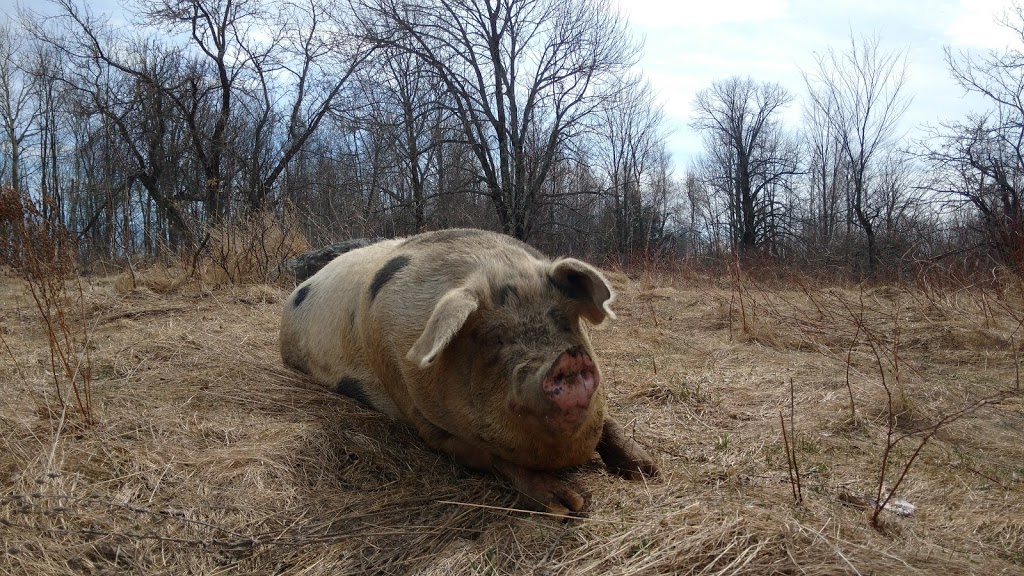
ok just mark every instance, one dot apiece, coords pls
pixel 571 380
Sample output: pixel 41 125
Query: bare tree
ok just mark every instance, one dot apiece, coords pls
pixel 129 133
pixel 697 222
pixel 858 98
pixel 629 147
pixel 18 106
pixel 522 76
pixel 826 180
pixel 978 162
pixel 747 155
pixel 258 80
pixel 407 110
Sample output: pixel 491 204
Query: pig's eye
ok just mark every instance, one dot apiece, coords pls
pixel 560 319
pixel 490 337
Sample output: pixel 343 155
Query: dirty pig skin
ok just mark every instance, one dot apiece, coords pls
pixel 477 341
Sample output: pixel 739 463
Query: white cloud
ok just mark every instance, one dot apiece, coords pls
pixel 659 14
pixel 974 25
pixel 691 44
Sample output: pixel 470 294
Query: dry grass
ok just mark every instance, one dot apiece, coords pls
pixel 208 457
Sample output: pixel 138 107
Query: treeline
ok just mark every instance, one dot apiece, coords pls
pixel 147 132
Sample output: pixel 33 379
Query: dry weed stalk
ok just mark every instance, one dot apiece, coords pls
pixel 789 440
pixel 849 365
pixel 44 253
pixel 890 424
pixel 1016 363
pixel 739 292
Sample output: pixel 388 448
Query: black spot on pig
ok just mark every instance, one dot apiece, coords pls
pixel 501 294
pixel 386 273
pixel 300 296
pixel 352 388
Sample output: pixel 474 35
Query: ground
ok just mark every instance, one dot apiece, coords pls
pixel 206 456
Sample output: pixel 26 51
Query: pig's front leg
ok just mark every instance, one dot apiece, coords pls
pixel 622 455
pixel 538 491
pixel 541 491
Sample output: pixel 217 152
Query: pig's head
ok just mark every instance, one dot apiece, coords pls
pixel 512 337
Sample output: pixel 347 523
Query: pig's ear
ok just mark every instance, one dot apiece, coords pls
pixel 445 321
pixel 582 282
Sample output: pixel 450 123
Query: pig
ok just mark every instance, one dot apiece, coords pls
pixel 479 343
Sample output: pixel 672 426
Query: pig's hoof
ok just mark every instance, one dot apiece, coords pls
pixel 548 494
pixel 541 491
pixel 634 467
pixel 623 456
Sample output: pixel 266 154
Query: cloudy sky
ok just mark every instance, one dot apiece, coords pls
pixel 689 44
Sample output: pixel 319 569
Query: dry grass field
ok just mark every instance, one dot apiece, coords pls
pixel 207 457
